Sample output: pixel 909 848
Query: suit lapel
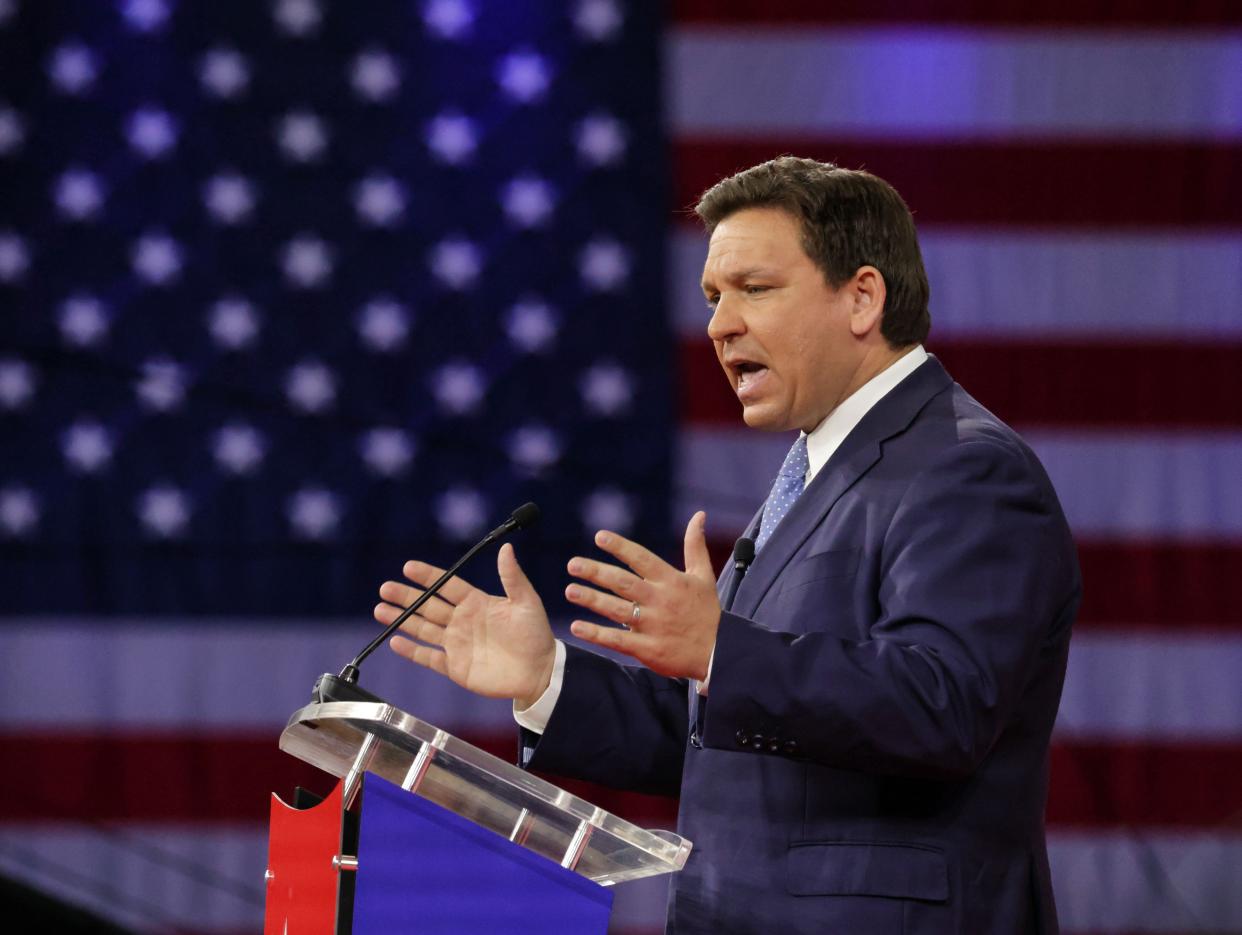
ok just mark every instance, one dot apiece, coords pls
pixel 859 452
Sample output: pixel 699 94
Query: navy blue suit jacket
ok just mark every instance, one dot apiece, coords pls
pixel 873 755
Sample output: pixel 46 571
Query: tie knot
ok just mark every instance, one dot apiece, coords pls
pixel 797 462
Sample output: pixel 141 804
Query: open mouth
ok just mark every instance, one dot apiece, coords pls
pixel 748 373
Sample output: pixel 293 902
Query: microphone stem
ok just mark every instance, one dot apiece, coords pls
pixel 350 672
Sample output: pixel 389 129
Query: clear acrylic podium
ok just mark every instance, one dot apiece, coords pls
pixel 447 831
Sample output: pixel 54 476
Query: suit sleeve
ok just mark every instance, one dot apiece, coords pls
pixel 620 726
pixel 976 572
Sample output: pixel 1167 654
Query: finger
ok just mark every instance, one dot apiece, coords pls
pixel 455 589
pixel 698 559
pixel 621 582
pixel 402 595
pixel 645 562
pixel 425 656
pixel 621 641
pixel 614 608
pixel 517 586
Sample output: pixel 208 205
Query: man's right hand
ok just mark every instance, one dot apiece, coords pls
pixel 493 646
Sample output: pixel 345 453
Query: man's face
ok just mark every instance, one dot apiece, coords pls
pixel 781 333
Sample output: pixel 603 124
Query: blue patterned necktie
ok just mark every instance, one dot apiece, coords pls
pixel 786 490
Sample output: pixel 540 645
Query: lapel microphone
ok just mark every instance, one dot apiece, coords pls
pixel 743 555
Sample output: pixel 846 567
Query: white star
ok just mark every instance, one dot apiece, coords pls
pixel 379 200
pixel 72 68
pixel 238 448
pixel 456 262
pixel 78 194
pixel 233 323
pixel 531 325
pixel 223 72
pixel 458 387
pixel 524 76
pixel 448 19
pixel 600 140
pixel 314 513
pixel 151 132
pixel 19 511
pixel 598 20
pixel 229 197
pixel 527 201
pixel 161 387
pixel 532 448
pixel 607 389
pixel 302 136
pixel 608 508
pixel 604 265
pixel 307 261
pixel 12 132
pixel 297 17
pixel 14 258
pixel 17 383
pixel 387 451
pixel 87 446
pixel 83 321
pixel 310 386
pixel 164 510
pixel 383 324
pixel 452 137
pixel 375 75
pixel 461 512
pixel 145 15
pixel 156 258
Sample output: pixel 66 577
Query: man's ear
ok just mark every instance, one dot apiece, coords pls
pixel 869 292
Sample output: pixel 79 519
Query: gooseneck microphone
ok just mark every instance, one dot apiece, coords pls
pixel 344 687
pixel 743 555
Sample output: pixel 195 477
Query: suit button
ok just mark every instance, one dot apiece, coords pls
pixel 742 738
pixel 791 747
pixel 773 745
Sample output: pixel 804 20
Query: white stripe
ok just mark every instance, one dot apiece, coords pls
pixel 946 83
pixel 188 673
pixel 1105 881
pixel 1152 687
pixel 1147 485
pixel 1146 882
pixel 1035 284
pixel 159 878
pixel 1123 485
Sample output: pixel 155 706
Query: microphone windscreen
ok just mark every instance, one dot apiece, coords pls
pixel 744 550
pixel 525 515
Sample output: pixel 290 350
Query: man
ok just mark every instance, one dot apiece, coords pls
pixel 860 741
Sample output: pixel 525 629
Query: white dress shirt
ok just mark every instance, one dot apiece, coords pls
pixel 821 444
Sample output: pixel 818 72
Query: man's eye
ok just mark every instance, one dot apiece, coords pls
pixel 713 300
pixel 755 290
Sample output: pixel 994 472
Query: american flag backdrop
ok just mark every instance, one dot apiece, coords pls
pixel 293 290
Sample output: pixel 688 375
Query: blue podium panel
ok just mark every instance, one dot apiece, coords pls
pixel 424 871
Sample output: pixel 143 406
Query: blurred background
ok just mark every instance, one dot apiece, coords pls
pixel 294 290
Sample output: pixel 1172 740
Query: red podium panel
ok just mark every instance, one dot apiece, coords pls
pixel 301 875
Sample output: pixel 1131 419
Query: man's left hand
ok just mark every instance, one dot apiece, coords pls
pixel 673 630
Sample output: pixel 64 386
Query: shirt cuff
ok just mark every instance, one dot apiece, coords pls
pixel 701 687
pixel 535 718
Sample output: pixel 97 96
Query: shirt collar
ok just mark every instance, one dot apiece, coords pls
pixel 826 437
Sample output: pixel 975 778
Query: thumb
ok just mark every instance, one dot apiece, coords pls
pixel 517 586
pixel 698 559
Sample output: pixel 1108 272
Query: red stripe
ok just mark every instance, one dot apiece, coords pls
pixel 1191 587
pixel 1097 13
pixel 215 779
pixel 1079 384
pixel 1142 784
pixel 1008 184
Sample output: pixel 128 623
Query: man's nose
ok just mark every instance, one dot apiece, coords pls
pixel 725 321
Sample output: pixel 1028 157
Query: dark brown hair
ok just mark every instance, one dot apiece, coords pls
pixel 849 219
